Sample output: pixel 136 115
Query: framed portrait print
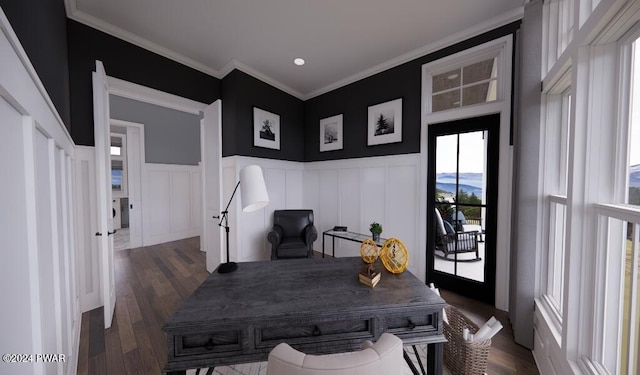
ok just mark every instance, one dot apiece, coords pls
pixel 385 123
pixel 266 129
pixel 331 133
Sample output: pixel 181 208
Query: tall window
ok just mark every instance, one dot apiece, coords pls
pixel 558 103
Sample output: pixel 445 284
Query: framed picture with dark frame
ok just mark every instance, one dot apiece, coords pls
pixel 331 133
pixel 385 123
pixel 266 129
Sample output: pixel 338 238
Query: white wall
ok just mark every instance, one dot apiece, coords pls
pixel 356 192
pixel 171 202
pixel 38 283
pixel 351 192
pixel 248 231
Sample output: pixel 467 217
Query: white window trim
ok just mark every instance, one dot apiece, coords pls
pixel 610 286
pixel 609 263
pixel 554 114
pixel 493 49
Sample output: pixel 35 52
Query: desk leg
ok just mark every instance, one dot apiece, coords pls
pixel 434 358
pixel 333 247
pixel 412 367
pixel 323 235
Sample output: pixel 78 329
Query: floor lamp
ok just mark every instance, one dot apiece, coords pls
pixel 253 196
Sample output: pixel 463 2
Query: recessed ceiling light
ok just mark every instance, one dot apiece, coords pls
pixel 298 61
pixel 453 76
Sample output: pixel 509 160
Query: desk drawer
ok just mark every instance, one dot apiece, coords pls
pixel 413 322
pixel 315 332
pixel 222 342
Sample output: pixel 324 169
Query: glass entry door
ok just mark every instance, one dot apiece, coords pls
pixel 461 210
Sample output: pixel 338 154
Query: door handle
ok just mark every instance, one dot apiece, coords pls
pixel 110 233
pixel 98 234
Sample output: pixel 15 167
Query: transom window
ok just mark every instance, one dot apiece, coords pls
pixel 470 84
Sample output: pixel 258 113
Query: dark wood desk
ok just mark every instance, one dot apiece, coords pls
pixel 316 305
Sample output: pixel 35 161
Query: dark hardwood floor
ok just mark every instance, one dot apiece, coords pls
pixel 153 281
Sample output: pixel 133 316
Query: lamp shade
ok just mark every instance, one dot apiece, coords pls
pixel 253 191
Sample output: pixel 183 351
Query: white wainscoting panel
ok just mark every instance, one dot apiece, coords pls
pixel 196 204
pixel 352 192
pixel 180 201
pixel 311 195
pixel 402 209
pixel 16 267
pixel 350 208
pixel 294 193
pixel 328 213
pixel 170 193
pixel 356 192
pixel 37 271
pixel 47 246
pixel 547 352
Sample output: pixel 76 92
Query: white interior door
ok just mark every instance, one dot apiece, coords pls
pixel 211 146
pixel 102 139
pixel 134 172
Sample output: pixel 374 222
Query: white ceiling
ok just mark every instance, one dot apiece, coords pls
pixel 341 41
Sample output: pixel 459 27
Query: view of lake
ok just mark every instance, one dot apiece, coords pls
pixel 469 182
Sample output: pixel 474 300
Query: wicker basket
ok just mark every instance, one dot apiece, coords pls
pixel 463 357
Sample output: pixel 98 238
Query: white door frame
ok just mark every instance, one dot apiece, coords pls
pixel 144 94
pixel 503 47
pixel 211 174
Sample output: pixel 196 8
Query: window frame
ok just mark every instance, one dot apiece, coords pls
pixel 490 50
pixel 123 192
pixel 557 122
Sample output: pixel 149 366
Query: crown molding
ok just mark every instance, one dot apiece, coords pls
pixel 234 64
pixel 98 24
pixel 91 21
pixel 461 36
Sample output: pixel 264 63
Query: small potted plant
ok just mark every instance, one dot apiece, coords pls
pixel 375 229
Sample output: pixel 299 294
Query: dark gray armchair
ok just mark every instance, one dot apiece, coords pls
pixel 293 234
pixel 449 241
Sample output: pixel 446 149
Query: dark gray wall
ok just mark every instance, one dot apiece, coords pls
pixel 527 199
pixel 41 26
pixel 403 81
pixel 240 93
pixel 170 136
pixel 128 62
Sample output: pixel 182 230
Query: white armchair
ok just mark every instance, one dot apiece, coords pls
pixel 383 357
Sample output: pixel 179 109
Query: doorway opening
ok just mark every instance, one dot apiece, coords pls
pixel 126 169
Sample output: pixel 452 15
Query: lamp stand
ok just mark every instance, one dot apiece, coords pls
pixel 228 266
